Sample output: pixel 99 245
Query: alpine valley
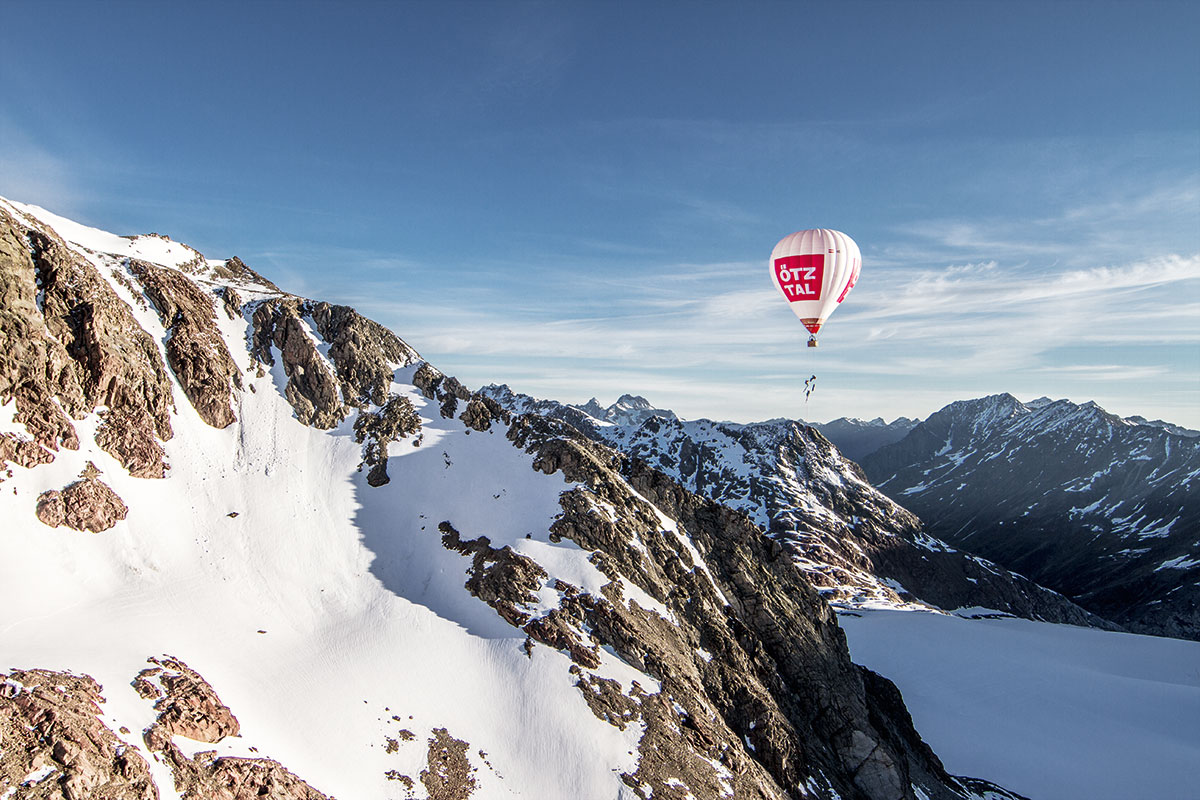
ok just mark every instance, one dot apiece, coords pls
pixel 254 546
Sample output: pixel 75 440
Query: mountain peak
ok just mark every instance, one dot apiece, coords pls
pixel 633 402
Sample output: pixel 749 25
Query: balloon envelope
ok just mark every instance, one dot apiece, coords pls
pixel 814 270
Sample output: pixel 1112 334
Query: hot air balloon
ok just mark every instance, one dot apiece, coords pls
pixel 815 270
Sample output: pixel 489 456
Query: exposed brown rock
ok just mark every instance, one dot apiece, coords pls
pixel 186 705
pixel 363 355
pixel 23 452
pixel 481 411
pixel 312 388
pixel 231 300
pixel 449 774
pixel 196 350
pixel 607 702
pixel 501 577
pixel 34 368
pixel 50 720
pixel 118 362
pixel 212 777
pixel 364 352
pixel 69 344
pixel 87 504
pixel 235 269
pixel 428 378
pixel 131 435
pixel 395 420
pixel 43 418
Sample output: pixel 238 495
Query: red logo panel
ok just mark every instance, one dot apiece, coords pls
pixel 801 277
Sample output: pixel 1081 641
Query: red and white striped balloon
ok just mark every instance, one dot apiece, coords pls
pixel 814 270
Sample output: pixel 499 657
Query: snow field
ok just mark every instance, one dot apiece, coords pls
pixel 1055 712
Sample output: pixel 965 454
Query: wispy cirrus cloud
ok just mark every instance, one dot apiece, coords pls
pixel 712 337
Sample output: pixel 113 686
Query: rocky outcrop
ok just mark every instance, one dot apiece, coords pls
pixel 35 368
pixel 53 744
pixel 236 270
pixel 448 774
pixel 481 411
pixel 375 430
pixel 186 704
pixel 312 388
pixel 22 452
pixel 88 504
pixel 70 344
pixel 196 350
pixel 118 362
pixel 364 352
pixel 436 386
pixel 212 777
pixel 362 357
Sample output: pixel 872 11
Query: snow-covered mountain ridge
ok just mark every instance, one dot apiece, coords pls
pixel 354 577
pixel 858 547
pixel 1103 509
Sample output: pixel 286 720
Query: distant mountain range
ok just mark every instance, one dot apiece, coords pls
pixel 1103 509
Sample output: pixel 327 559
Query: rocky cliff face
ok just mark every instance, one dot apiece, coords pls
pixel 404 587
pixel 854 544
pixel 1102 509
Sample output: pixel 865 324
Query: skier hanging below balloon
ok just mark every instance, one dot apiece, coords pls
pixel 810 386
pixel 815 270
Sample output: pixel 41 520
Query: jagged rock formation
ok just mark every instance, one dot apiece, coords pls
pixel 88 504
pixel 54 745
pixel 1102 509
pixel 397 419
pixel 69 344
pixel 186 704
pixel 363 355
pixel 22 452
pixel 195 349
pixel 853 543
pixel 232 269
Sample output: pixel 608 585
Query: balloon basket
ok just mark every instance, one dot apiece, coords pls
pixel 812 341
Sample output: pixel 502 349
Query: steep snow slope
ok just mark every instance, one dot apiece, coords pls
pixel 395 589
pixel 1053 711
pixel 1103 509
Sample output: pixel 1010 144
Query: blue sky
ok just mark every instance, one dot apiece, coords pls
pixel 579 199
